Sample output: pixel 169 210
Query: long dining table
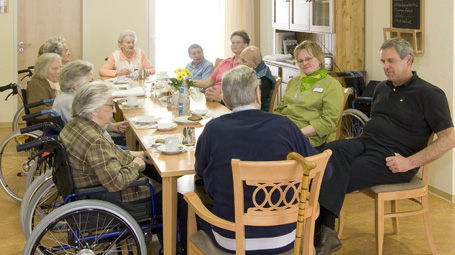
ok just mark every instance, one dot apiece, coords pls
pixel 170 167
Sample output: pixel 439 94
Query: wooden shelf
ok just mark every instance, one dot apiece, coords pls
pixel 413 36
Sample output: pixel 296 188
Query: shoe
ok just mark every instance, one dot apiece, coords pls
pixel 326 241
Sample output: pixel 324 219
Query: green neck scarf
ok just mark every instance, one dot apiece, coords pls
pixel 309 80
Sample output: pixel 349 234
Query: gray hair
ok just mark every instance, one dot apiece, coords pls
pixel 42 64
pixel 89 98
pixel 402 47
pixel 243 34
pixel 124 34
pixel 239 86
pixel 73 75
pixel 55 45
pixel 194 46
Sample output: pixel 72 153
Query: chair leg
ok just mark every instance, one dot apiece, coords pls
pixel 395 223
pixel 426 220
pixel 341 219
pixel 379 225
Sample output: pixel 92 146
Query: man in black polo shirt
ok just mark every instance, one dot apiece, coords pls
pixel 405 111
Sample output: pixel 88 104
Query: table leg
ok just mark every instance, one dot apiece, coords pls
pixel 169 215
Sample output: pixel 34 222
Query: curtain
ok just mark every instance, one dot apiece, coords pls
pixel 239 16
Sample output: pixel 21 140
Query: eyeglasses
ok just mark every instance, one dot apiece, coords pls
pixel 305 59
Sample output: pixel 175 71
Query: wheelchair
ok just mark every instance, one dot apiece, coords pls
pixel 14 165
pixel 88 220
pixel 354 119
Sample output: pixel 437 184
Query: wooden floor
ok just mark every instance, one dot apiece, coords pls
pixel 358 236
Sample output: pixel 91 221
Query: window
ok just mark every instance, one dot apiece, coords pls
pixel 180 23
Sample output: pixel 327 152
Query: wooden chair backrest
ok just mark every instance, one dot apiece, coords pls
pixel 347 92
pixel 273 101
pixel 291 178
pixel 218 61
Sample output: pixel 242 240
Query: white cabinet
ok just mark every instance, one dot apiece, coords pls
pixel 304 15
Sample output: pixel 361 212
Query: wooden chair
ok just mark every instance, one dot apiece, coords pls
pixel 295 173
pixel 347 92
pixel 416 190
pixel 218 61
pixel 273 101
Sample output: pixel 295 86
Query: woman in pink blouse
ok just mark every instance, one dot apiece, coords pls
pixel 127 58
pixel 239 41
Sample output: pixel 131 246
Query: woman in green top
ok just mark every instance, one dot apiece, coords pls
pixel 314 100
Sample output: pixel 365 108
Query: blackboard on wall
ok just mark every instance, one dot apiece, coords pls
pixel 406 14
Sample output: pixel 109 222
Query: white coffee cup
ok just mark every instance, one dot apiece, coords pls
pixel 121 78
pixel 171 143
pixel 131 100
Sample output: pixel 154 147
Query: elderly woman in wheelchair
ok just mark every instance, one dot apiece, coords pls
pixel 86 165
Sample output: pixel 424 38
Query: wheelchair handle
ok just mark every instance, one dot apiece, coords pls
pixel 29 145
pixel 35 104
pixel 29 129
pixel 32 116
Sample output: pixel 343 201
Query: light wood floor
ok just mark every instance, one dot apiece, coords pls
pixel 358 236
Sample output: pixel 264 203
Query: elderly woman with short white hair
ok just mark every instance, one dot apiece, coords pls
pixel 57 45
pixel 127 58
pixel 44 82
pixel 94 159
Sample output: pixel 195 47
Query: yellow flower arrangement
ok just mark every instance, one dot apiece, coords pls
pixel 176 83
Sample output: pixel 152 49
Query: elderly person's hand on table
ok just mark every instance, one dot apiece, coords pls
pixel 212 94
pixel 127 58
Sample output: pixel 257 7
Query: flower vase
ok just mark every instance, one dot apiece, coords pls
pixel 184 99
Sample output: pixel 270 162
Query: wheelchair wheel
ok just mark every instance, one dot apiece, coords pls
pixel 14 165
pixel 18 123
pixel 36 170
pixel 352 123
pixel 87 227
pixel 43 201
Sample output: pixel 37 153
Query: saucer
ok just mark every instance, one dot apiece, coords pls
pixel 165 126
pixel 145 120
pixel 162 149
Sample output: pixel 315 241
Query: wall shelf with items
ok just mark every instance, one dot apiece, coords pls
pixel 414 36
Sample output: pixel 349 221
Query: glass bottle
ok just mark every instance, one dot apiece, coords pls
pixel 184 99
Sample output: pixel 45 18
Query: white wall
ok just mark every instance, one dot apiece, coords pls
pixel 103 20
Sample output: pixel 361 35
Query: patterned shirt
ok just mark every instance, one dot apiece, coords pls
pixel 201 71
pixel 97 161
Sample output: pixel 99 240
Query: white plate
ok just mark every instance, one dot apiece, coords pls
pixel 200 112
pixel 146 120
pixel 162 149
pixel 130 105
pixel 185 121
pixel 165 126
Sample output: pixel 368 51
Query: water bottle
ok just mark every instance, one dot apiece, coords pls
pixel 184 99
pixel 136 74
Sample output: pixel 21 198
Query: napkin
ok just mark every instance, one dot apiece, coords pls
pixel 136 91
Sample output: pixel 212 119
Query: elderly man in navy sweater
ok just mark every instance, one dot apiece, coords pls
pixel 247 134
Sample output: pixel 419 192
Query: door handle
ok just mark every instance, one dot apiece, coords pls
pixel 22 44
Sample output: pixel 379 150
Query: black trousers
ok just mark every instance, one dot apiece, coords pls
pixel 357 164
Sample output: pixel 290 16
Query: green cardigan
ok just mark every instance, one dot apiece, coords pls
pixel 320 106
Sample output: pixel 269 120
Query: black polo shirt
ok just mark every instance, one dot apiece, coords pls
pixel 403 117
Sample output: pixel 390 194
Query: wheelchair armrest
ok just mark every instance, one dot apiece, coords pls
pixel 364 99
pixel 100 189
